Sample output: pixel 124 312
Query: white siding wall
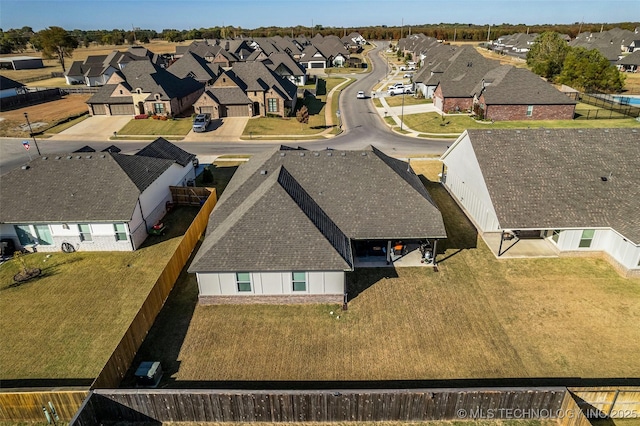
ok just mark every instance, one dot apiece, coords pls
pixel 103 238
pixel 465 181
pixel 155 197
pixel 622 250
pixel 270 283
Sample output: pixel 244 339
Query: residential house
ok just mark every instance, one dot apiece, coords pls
pixel 92 201
pixel 9 88
pixel 353 42
pixel 285 66
pixel 312 58
pixel 630 62
pixel 291 222
pixel 196 67
pixel 510 93
pixel 248 89
pixel 96 70
pixel 144 88
pixel 455 87
pixel 434 62
pixel 611 43
pixel 577 190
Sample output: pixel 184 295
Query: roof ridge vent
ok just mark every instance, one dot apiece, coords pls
pixel 44 158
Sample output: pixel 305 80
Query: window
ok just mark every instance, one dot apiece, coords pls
pixel 158 108
pixel 243 281
pixel 24 234
pixel 555 236
pixel 44 235
pixel 85 232
pixel 121 231
pixel 272 105
pixel 529 110
pixel 299 281
pixel 587 237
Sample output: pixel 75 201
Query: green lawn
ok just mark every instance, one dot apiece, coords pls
pixel 290 125
pixel 178 126
pixel 476 318
pixel 64 126
pixel 65 324
pixel 394 101
pixel 431 122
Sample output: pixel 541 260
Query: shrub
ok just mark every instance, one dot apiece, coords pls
pixel 141 117
pixel 207 175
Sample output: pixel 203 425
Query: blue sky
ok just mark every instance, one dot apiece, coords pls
pixel 186 14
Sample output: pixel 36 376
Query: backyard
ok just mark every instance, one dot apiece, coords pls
pixel 63 326
pixel 477 318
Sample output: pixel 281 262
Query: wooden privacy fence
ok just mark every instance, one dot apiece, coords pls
pixel 608 402
pixel 570 414
pixel 319 406
pixel 189 195
pixel 27 406
pixel 122 357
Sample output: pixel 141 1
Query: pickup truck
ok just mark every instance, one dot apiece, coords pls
pixel 201 122
pixel 400 89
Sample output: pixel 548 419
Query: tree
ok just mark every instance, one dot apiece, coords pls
pixel 302 115
pixel 55 42
pixel 546 57
pixel 590 71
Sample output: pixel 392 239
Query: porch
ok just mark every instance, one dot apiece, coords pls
pixel 509 245
pixel 387 253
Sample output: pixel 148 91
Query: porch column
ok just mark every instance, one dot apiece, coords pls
pixel 435 250
pixel 388 252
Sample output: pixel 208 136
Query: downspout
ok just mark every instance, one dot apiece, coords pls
pixel 435 250
pixel 146 226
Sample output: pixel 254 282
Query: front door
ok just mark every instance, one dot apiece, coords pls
pixel 140 107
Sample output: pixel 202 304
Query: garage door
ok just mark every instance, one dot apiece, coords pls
pixel 99 109
pixel 237 111
pixel 122 110
pixel 316 65
pixel 206 110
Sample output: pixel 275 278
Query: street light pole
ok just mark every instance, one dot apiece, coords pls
pixel 402 110
pixel 31 133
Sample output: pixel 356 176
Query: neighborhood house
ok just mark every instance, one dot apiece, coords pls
pixel 291 222
pixel 91 201
pixel 575 190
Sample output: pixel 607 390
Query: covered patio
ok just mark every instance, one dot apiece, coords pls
pixel 393 253
pixel 508 245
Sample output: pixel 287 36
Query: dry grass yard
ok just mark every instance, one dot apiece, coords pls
pixel 476 318
pixel 65 324
pixel 42 116
pixel 80 54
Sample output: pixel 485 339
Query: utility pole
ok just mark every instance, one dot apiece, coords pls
pixel 489 33
pixel 401 27
pixel 31 133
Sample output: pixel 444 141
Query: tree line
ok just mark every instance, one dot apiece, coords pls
pixel 18 40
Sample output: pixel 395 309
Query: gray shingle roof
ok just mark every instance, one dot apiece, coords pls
pixel 77 188
pixel 152 79
pixel 508 85
pixel 546 179
pixel 190 63
pixel 630 59
pixel 7 83
pixel 467 68
pixel 229 96
pixel 162 148
pixel 103 96
pixel 316 200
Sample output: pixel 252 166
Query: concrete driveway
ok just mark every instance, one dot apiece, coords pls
pixel 226 129
pixel 98 128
